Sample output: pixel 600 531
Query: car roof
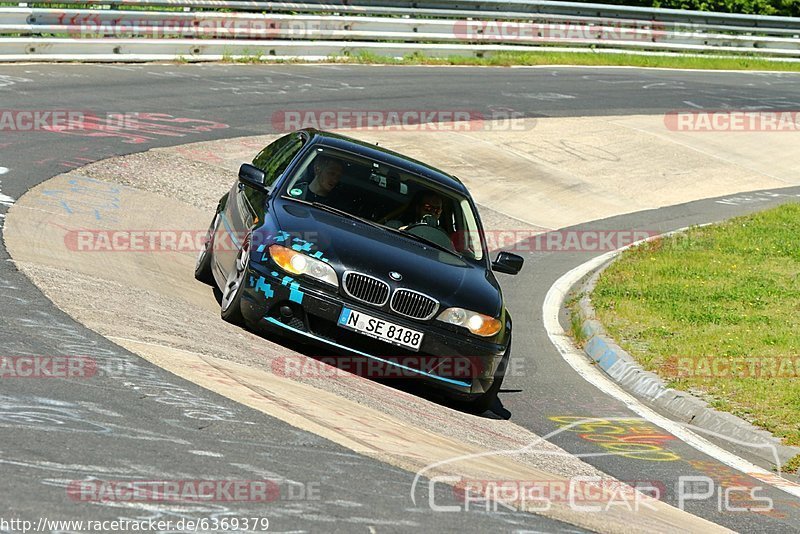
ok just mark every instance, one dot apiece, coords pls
pixel 383 155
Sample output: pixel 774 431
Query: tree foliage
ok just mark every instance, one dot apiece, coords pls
pixel 789 8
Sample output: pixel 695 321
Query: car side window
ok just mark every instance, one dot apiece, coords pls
pixel 274 159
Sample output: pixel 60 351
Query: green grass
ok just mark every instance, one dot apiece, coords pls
pixel 544 57
pixel 793 465
pixel 576 319
pixel 246 56
pixel 722 293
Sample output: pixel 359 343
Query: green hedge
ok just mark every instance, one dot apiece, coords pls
pixel 789 8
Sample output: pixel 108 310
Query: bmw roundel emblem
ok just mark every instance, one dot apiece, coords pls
pixel 394 275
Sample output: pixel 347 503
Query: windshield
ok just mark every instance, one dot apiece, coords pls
pixel 389 197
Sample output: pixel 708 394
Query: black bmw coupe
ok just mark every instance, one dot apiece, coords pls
pixel 367 252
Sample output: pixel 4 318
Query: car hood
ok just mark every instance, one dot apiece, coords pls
pixel 353 245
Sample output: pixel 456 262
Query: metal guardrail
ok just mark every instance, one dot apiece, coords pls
pixel 211 29
pixel 571 9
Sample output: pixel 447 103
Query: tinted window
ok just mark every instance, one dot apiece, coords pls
pixel 274 159
pixel 388 196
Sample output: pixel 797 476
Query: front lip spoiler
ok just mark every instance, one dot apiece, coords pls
pixel 274 321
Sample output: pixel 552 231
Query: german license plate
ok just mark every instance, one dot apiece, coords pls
pixel 380 329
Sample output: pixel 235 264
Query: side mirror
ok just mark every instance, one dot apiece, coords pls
pixel 507 263
pixel 252 177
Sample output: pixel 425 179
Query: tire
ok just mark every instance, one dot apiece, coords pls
pixel 202 267
pixel 231 305
pixel 488 398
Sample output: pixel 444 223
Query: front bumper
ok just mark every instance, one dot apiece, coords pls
pixel 449 359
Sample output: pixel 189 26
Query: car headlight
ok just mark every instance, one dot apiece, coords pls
pixel 477 323
pixel 298 263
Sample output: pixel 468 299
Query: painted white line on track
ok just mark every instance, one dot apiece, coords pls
pixel 551 307
pixel 207 453
pixel 5 200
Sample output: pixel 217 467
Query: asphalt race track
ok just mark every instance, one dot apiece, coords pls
pixel 153 425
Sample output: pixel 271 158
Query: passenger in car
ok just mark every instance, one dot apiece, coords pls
pixel 324 186
pixel 327 173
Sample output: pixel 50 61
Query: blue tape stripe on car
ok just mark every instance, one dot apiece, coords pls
pixel 328 342
pixel 295 293
pixel 228 229
pixel 265 288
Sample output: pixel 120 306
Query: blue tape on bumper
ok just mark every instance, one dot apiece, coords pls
pixel 265 288
pixel 295 293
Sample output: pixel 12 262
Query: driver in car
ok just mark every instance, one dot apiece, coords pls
pixel 427 209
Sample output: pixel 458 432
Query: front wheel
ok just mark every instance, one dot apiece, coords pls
pixel 231 305
pixel 488 398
